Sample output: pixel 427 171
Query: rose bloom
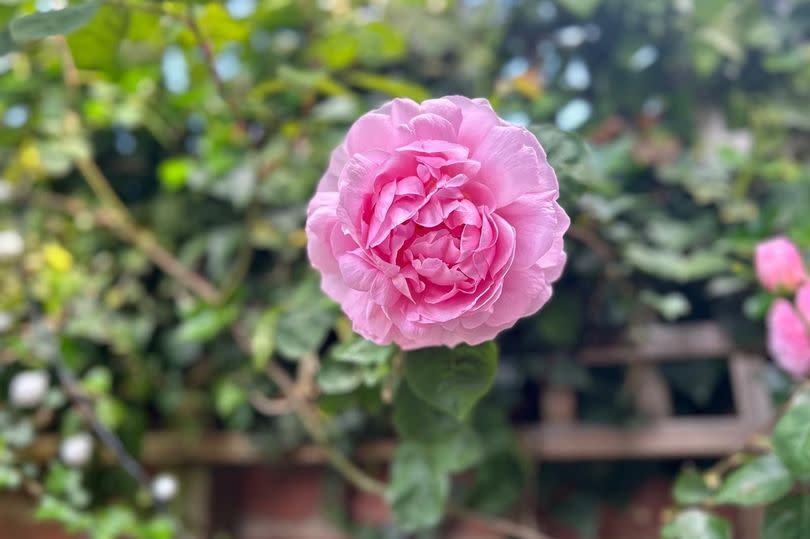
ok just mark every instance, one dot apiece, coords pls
pixel 779 265
pixel 789 333
pixel 437 223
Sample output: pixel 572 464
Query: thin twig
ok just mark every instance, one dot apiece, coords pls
pixel 270 407
pixel 312 423
pixel 210 63
pixel 500 525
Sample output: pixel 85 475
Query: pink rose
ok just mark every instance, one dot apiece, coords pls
pixel 789 333
pixel 779 265
pixel 437 223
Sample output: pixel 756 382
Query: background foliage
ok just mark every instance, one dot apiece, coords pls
pixel 156 167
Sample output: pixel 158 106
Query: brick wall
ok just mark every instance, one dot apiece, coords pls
pixel 265 502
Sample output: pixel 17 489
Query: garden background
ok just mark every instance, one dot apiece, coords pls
pixel 156 165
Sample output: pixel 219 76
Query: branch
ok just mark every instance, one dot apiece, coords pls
pixel 124 226
pixel 83 406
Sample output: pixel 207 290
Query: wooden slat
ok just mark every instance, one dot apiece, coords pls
pixel 751 397
pixel 670 438
pixel 660 342
pixel 667 438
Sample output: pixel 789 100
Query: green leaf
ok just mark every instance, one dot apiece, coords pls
pixel 452 380
pixel 458 451
pixel 389 85
pixel 453 445
pixel 696 524
pixel 760 481
pixel 95 46
pixel 566 152
pixel 418 489
pixel 10 478
pixel 499 482
pixel 690 488
pixel 206 324
pixel 416 420
pixel 380 43
pixel 51 23
pixel 174 172
pixel 303 330
pixel 337 50
pixel 362 352
pixel 580 8
pixel 263 339
pixel 6 42
pixel 791 437
pixel 229 396
pixel 788 518
pixel 334 377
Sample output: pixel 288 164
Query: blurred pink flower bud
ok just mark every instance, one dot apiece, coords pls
pixel 789 334
pixel 779 265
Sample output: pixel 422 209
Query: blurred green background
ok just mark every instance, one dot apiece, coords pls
pixel 696 122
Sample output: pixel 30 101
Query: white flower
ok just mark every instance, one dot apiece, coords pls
pixel 76 450
pixel 11 244
pixel 164 487
pixel 28 388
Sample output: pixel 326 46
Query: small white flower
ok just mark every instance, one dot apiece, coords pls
pixel 6 321
pixel 76 450
pixel 11 244
pixel 164 487
pixel 28 388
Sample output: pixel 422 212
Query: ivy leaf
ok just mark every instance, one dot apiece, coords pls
pixel 690 488
pixel 791 437
pixel 788 518
pixel 419 488
pixel 760 481
pixel 452 380
pixel 696 524
pixel 51 23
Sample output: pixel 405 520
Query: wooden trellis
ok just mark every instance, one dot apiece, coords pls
pixel 560 437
